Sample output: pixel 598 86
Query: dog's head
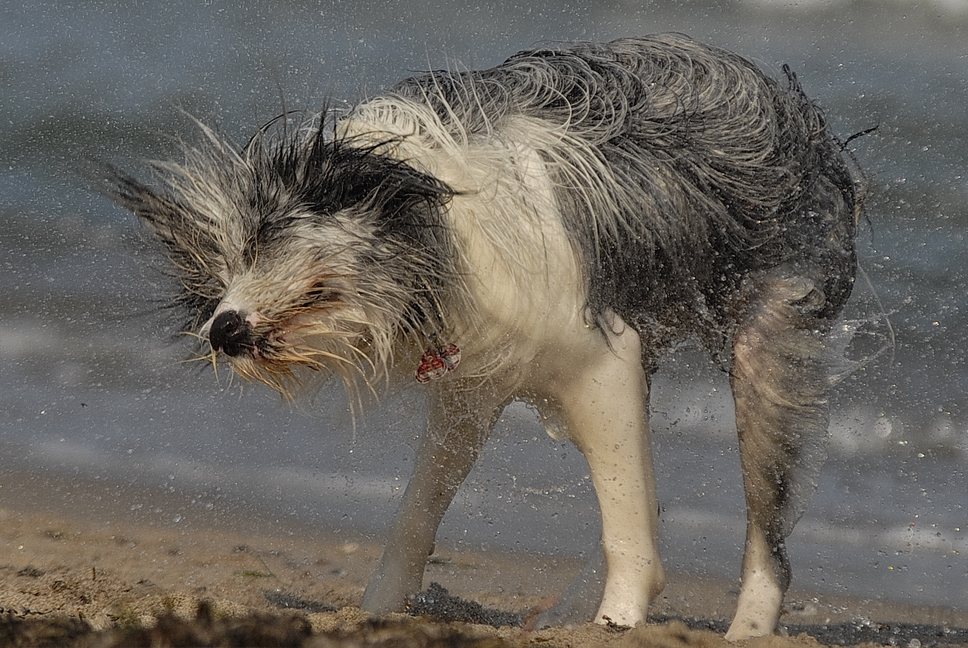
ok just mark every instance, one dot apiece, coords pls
pixel 299 250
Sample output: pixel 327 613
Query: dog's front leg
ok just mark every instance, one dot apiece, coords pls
pixel 460 422
pixel 605 410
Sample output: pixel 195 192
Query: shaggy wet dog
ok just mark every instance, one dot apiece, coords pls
pixel 540 231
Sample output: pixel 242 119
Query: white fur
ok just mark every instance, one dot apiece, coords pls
pixel 528 337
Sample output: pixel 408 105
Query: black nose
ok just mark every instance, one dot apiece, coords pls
pixel 230 334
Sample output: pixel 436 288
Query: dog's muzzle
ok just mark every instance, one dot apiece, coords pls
pixel 231 334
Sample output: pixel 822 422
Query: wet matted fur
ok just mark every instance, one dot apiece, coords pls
pixel 540 230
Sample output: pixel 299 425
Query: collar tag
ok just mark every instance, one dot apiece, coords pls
pixel 436 364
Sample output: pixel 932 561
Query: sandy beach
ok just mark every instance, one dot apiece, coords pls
pixel 70 563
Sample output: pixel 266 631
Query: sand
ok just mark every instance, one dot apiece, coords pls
pixel 76 571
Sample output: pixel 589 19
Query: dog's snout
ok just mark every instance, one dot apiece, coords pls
pixel 230 334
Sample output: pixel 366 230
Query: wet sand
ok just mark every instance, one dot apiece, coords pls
pixel 72 558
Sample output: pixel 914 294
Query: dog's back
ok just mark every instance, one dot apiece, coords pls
pixel 679 169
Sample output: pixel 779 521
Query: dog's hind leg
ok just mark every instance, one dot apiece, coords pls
pixel 460 422
pixel 604 407
pixel 779 382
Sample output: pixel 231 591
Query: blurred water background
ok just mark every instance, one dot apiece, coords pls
pixel 91 381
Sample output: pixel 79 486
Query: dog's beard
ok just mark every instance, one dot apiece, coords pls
pixel 292 354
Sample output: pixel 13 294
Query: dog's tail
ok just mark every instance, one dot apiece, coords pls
pixel 860 179
pixel 876 331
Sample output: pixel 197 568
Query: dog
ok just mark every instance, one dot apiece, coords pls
pixel 539 231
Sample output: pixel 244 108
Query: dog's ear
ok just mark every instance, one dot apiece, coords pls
pixel 196 260
pixel 186 235
pixel 159 211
